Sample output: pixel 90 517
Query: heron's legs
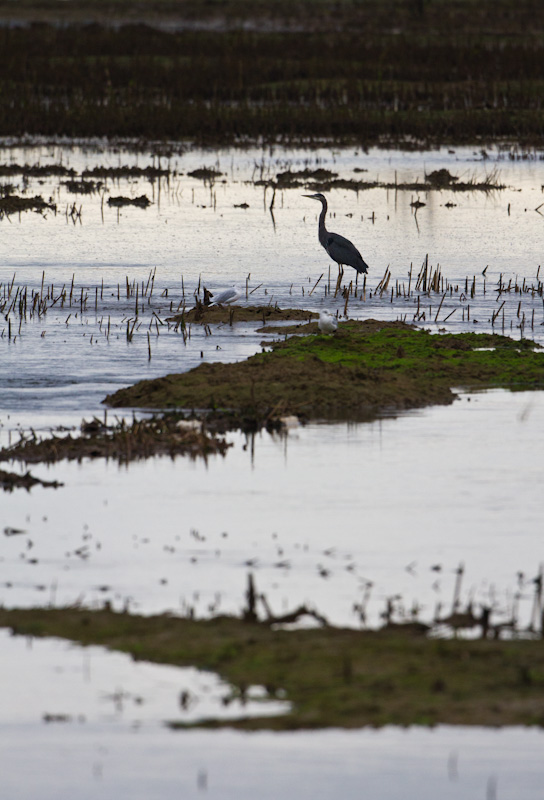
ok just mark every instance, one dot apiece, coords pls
pixel 339 279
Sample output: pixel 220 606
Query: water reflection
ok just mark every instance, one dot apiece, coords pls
pixel 85 686
pixel 317 515
pixel 417 764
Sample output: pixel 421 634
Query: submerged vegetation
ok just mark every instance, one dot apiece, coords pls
pixel 221 72
pixel 365 369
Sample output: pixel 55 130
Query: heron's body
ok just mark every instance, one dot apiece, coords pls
pixel 227 296
pixel 338 247
pixel 327 323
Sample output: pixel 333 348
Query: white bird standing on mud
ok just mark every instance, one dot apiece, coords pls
pixel 227 296
pixel 327 323
pixel 338 247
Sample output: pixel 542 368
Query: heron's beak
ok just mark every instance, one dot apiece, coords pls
pixel 311 196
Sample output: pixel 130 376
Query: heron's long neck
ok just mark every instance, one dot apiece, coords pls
pixel 322 228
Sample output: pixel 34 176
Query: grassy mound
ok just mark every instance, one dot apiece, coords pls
pixel 332 676
pixel 365 369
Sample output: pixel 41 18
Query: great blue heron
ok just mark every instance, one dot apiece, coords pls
pixel 327 323
pixel 338 247
pixel 227 296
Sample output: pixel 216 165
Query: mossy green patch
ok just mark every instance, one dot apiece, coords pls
pixel 365 369
pixel 332 676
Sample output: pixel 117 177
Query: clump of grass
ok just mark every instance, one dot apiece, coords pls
pixel 12 480
pixel 118 202
pixel 83 187
pixel 205 174
pixel 167 434
pixel 15 204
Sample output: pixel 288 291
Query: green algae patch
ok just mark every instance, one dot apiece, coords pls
pixel 331 676
pixel 366 369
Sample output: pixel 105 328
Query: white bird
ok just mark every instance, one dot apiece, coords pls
pixel 327 323
pixel 227 296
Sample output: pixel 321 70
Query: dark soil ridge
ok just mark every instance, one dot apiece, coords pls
pixel 366 369
pixel 214 314
pixel 439 180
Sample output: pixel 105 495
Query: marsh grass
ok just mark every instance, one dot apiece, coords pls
pixel 332 676
pixel 362 78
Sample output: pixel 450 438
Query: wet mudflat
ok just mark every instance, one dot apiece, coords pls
pixel 402 503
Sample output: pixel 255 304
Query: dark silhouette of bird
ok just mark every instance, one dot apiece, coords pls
pixel 338 247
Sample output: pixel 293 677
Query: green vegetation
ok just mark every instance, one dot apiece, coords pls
pixel 332 676
pixel 366 368
pixel 401 70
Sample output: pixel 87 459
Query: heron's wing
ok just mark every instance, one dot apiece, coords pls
pixel 343 251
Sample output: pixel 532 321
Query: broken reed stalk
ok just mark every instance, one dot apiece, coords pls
pixel 439 307
pixel 421 282
pixel 497 312
pixel 347 301
pixel 315 284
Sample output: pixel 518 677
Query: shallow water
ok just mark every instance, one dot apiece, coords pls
pixel 97 732
pixel 92 686
pixel 417 764
pixel 317 515
pixel 193 230
pixel 441 486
